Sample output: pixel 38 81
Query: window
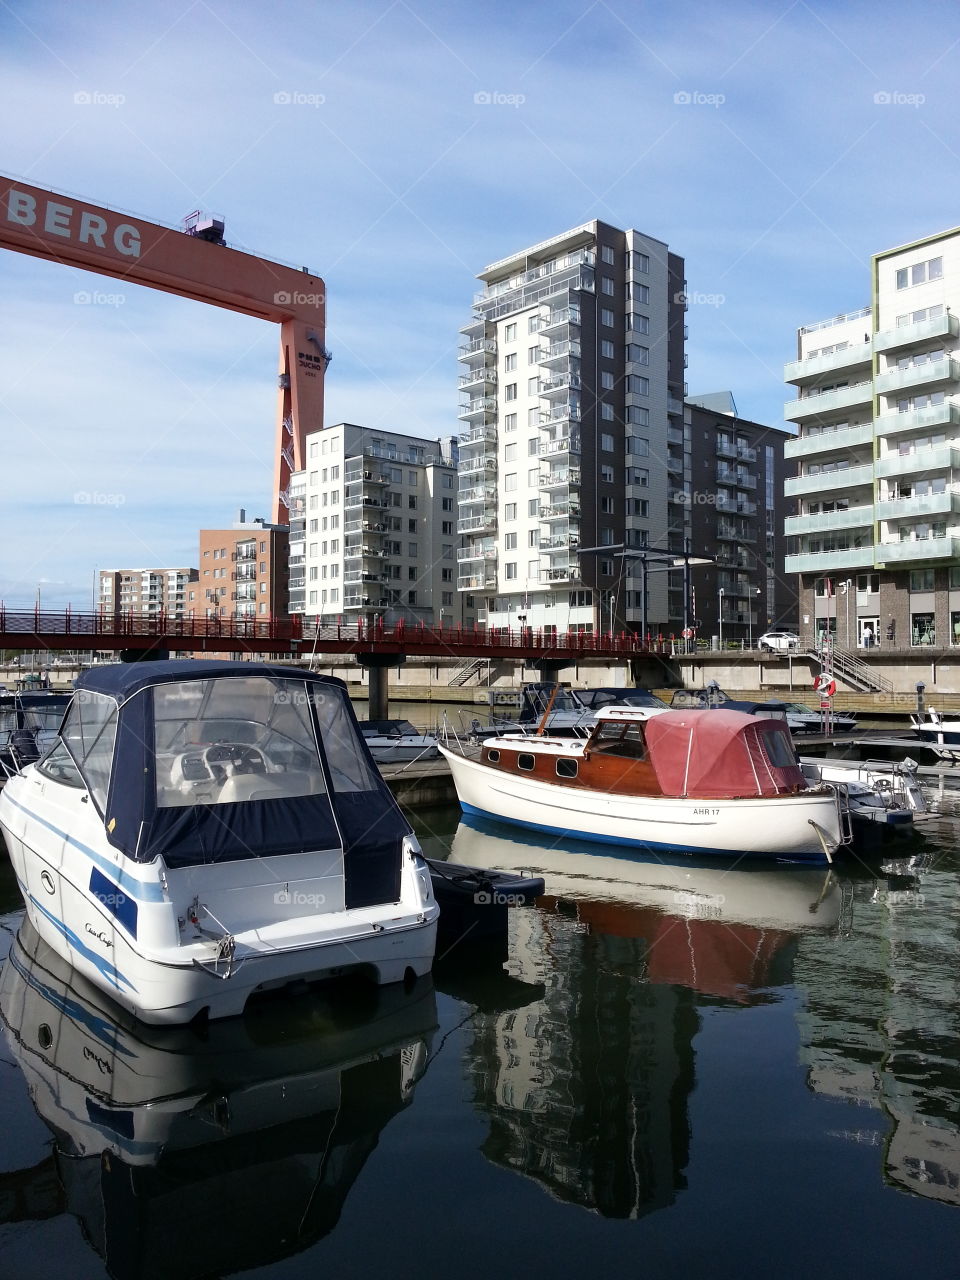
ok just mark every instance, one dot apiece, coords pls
pixel 636 323
pixel 607 504
pixel 638 476
pixel 510 453
pixel 636 354
pixel 616 739
pixel 493 755
pixel 607 254
pixel 606 443
pixel 533 477
pixel 446 575
pixel 526 761
pixel 923 628
pixel 921 579
pixel 638 446
pixel 411 597
pixel 412 501
pixel 920 273
pixel 533 506
pixel 606 349
pixel 446 527
pixel 510 482
pixel 509 332
pixel 606 473
pixel 533 355
pixel 446 597
pixel 510 422
pixel 446 504
pixel 606 285
pixel 510 391
pixel 447 481
pixel 510 511
pixel 606 537
pixel 606 412
pixel 533 537
pixel 533 386
pixel 566 768
pixel 510 362
pixel 606 317
pixel 533 447
pixel 606 380
pixel 533 569
pixel 510 570
pixel 533 417
pixel 510 542
pixel 606 568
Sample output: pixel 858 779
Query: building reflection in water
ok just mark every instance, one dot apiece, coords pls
pixel 192 1155
pixel 880 1027
pixel 587 1087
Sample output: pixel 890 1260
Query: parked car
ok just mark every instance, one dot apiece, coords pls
pixel 778 642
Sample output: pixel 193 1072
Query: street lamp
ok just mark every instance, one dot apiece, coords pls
pixel 720 593
pixel 756 592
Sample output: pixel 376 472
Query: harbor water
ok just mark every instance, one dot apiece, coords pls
pixel 671 1069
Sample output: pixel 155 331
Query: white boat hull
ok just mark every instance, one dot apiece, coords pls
pixel 136 941
pixel 805 827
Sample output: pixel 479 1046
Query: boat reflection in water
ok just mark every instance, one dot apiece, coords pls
pixel 587 1088
pixel 194 1156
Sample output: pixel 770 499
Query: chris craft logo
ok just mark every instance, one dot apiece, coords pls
pixel 83 226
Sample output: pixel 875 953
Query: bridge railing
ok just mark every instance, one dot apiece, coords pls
pixel 104 628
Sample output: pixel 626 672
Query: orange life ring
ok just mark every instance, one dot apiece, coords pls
pixel 825 685
pixel 687 633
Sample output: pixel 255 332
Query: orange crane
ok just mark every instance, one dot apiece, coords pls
pixel 193 263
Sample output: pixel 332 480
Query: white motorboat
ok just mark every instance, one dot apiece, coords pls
pixel 711 782
pixel 895 784
pixel 398 741
pixel 261 1125
pixel 204 830
pixel 934 728
pixel 804 719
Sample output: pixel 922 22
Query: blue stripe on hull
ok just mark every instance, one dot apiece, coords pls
pixel 75 942
pixel 654 846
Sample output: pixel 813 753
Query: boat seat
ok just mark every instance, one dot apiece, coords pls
pixel 269 786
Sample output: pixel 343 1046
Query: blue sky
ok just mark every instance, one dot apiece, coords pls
pixel 774 146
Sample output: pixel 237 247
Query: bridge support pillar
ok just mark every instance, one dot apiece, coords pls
pixel 378 665
pixel 550 668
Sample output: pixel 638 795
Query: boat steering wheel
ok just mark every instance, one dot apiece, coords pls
pixel 222 755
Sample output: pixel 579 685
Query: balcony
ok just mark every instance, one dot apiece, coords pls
pixel 937 415
pixel 560 478
pixel 731 533
pixel 674 405
pixel 486 433
pixel 827 481
pixel 740 479
pixel 803 372
pixel 937 457
pixel 352 501
pixel 560 542
pixel 726 449
pixel 561 413
pixel 862 314
pixel 917 550
pixel 480 408
pixel 555 267
pixel 560 384
pixel 487 552
pixel 479 346
pixel 558 318
pixel 853 518
pixel 827 402
pixel 746 453
pixel 830 561
pixel 560 573
pixel 560 511
pixel 486 523
pixel 736 506
pixel 483 375
pixel 559 355
pixel 245 551
pixel 481 462
pixel 477 582
pixel 905 335
pixel 928 504
pixel 563 444
pixel 829 441
pixel 478 493
pixel 363 551
pixel 929 374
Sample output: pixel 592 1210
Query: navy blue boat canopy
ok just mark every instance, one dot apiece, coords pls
pixel 203 762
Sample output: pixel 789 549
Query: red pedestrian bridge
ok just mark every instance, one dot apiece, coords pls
pixel 138 635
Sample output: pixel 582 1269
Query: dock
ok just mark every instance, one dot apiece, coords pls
pixel 422 783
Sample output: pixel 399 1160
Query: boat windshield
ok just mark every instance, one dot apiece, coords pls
pixel 221 741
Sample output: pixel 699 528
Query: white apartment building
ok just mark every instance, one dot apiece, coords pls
pixel 572 376
pixel 374 528
pixel 878 457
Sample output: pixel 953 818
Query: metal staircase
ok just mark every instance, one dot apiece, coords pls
pixel 851 669
pixel 476 667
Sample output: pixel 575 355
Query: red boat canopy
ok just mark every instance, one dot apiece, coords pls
pixel 722 754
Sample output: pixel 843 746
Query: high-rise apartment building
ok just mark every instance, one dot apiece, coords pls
pixel 572 375
pixel 147 591
pixel 374 528
pixel 734 496
pixel 878 457
pixel 243 571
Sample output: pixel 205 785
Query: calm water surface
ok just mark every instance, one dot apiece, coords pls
pixel 674 1071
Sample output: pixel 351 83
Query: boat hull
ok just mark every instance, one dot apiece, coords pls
pixel 782 827
pixel 134 940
